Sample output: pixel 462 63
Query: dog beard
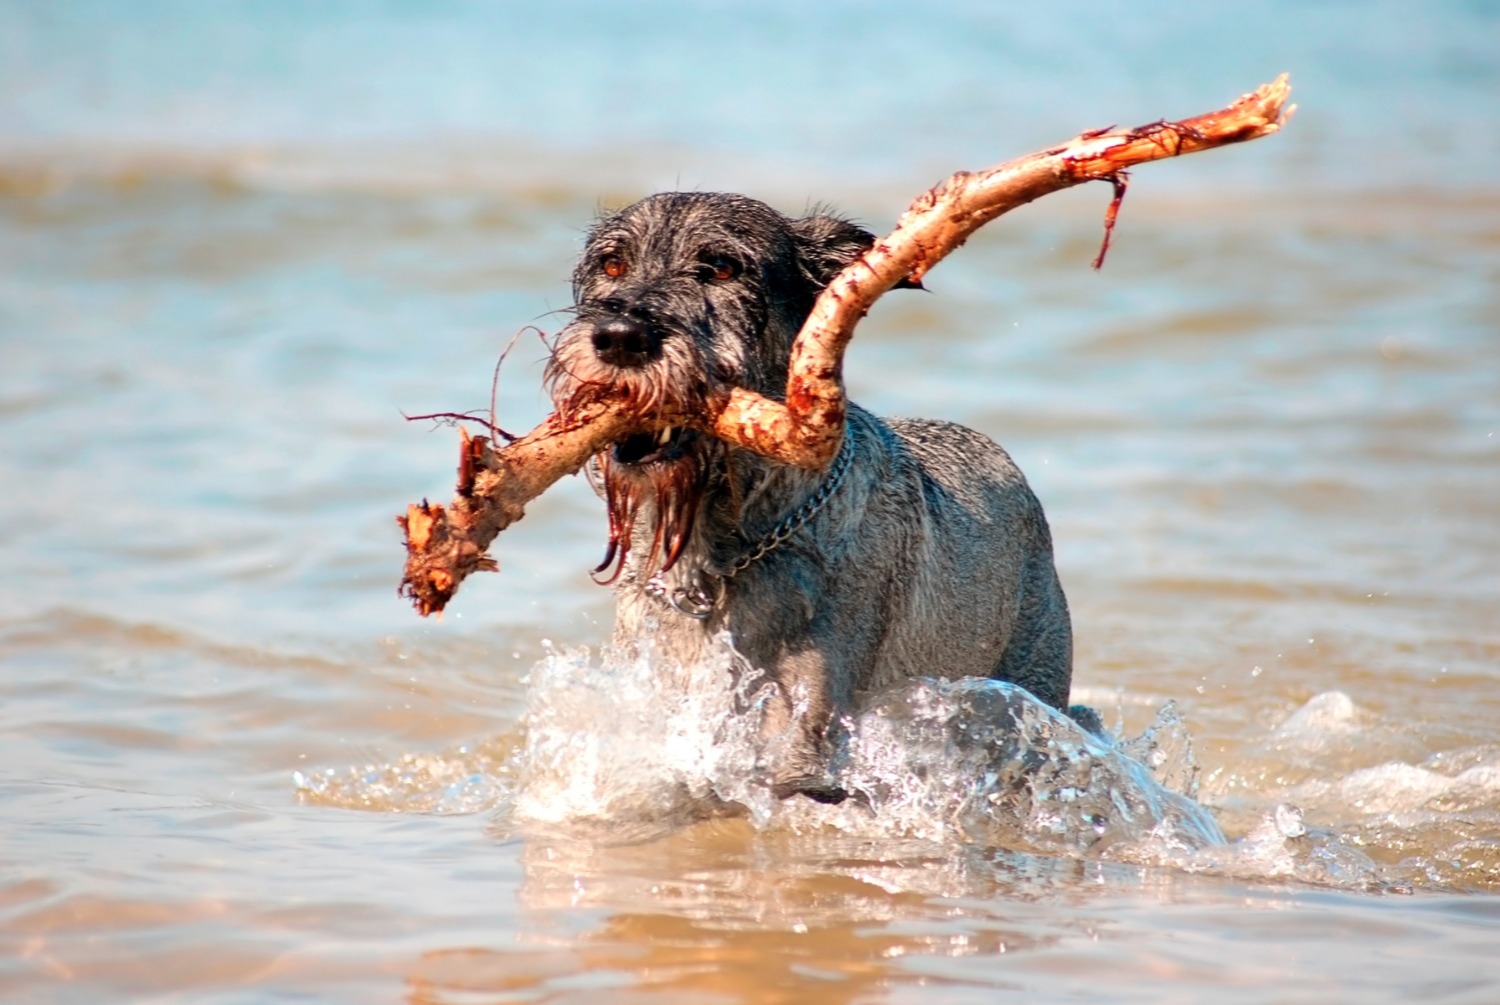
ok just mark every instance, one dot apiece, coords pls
pixel 666 471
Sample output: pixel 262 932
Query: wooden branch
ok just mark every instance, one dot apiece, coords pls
pixel 446 544
pixel 807 429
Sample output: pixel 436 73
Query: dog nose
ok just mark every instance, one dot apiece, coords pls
pixel 624 341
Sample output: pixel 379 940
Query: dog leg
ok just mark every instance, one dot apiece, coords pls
pixel 813 688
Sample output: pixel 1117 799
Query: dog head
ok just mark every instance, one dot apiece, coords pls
pixel 677 299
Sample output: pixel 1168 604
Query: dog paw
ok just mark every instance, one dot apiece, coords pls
pixel 818 789
pixel 1089 719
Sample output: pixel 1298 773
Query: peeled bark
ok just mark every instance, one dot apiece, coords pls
pixel 445 544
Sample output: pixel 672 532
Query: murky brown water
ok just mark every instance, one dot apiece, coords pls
pixel 235 768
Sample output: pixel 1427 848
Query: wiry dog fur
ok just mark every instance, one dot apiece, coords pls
pixel 931 558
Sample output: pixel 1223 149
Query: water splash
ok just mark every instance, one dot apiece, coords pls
pixel 630 748
pixel 1282 846
pixel 982 761
pixel 1166 747
pixel 471 778
pixel 1378 804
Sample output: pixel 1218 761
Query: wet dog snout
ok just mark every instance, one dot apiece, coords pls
pixel 625 341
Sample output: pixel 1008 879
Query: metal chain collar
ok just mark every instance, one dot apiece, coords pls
pixel 700 600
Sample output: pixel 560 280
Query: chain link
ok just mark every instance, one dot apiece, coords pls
pixel 798 518
pixel 699 600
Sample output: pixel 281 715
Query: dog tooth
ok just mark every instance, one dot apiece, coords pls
pixel 664 437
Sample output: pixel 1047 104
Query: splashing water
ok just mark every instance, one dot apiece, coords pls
pixel 1369 790
pixel 632 748
pixel 1282 846
pixel 628 747
pixel 467 779
pixel 983 761
pixel 624 748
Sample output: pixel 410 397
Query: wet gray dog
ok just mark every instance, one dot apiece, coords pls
pixel 921 551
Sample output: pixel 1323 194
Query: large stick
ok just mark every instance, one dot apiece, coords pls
pixel 446 544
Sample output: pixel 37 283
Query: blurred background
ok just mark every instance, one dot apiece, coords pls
pixel 238 240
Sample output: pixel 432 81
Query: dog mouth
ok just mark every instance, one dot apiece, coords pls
pixel 665 474
pixel 664 446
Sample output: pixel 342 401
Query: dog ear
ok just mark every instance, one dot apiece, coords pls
pixel 827 243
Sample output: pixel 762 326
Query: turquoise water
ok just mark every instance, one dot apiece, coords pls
pixel 237 241
pixel 1393 95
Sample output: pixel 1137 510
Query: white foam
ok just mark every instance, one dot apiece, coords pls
pixel 1282 846
pixel 1330 714
pixel 1395 789
pixel 467 779
pixel 630 747
pixel 627 747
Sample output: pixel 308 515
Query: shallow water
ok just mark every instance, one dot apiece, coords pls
pixel 236 767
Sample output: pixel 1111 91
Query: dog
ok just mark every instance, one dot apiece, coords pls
pixel 921 551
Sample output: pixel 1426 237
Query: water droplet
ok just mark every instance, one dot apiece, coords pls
pixel 1289 821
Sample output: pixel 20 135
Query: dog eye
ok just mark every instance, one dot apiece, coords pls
pixel 717 268
pixel 612 266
